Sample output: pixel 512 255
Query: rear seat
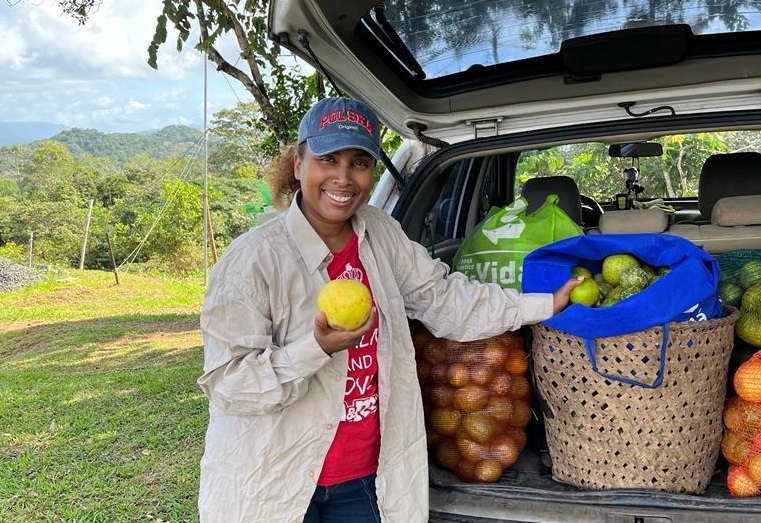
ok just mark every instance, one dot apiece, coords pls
pixel 729 198
pixel 735 224
pixel 633 220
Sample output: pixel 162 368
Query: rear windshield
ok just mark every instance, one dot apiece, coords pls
pixel 674 174
pixel 450 36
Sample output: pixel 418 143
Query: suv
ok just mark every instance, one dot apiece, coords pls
pixel 642 103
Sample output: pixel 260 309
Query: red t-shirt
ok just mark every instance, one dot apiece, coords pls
pixel 355 449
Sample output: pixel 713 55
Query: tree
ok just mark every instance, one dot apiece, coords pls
pixel 237 145
pixel 282 92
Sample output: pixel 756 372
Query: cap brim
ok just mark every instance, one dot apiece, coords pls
pixel 338 142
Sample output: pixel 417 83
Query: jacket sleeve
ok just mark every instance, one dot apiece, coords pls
pixel 451 306
pixel 245 373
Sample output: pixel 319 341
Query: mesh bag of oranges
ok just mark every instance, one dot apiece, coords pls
pixel 476 398
pixel 741 442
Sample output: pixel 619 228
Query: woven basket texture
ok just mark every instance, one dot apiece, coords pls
pixel 605 434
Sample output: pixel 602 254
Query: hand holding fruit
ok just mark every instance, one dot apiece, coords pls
pixel 333 340
pixel 344 315
pixel 562 296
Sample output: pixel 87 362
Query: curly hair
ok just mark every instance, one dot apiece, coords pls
pixel 280 176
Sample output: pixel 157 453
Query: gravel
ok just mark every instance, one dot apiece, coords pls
pixel 14 276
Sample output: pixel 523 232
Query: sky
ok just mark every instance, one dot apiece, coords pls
pixel 96 76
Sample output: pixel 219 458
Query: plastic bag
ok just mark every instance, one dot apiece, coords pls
pixel 495 249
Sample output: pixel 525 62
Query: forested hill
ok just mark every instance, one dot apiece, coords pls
pixel 120 148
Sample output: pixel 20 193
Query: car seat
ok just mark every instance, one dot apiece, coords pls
pixel 729 200
pixel 536 190
pixel 724 175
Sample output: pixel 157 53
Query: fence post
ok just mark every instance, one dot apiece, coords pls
pixel 84 236
pixel 111 255
pixel 31 245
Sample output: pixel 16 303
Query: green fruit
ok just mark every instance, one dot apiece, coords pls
pixel 660 271
pixel 748 326
pixel 749 273
pixel 581 271
pixel 628 291
pixel 730 293
pixel 586 293
pixel 608 301
pixel 615 265
pixel 346 303
pixel 635 278
pixel 751 300
pixel 598 278
pixel 605 288
pixel 613 297
pixel 649 270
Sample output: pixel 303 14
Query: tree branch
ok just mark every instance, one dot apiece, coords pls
pixel 254 84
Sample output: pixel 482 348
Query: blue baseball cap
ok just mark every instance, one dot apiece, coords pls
pixel 333 124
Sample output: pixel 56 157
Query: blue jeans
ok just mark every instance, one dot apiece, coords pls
pixel 352 501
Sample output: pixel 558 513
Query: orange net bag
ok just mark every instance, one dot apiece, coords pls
pixel 477 401
pixel 741 441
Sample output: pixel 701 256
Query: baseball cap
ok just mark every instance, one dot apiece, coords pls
pixel 333 124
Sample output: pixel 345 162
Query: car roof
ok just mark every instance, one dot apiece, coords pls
pixel 457 70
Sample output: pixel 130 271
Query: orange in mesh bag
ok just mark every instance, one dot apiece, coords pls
pixel 476 398
pixel 741 442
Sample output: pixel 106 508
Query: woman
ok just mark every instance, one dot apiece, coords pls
pixel 309 423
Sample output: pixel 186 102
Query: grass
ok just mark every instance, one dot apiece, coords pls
pixel 100 416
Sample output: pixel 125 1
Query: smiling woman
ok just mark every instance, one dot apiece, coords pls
pixel 334 414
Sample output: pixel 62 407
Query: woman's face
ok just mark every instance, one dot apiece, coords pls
pixel 333 185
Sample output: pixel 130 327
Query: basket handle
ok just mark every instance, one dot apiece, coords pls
pixel 590 346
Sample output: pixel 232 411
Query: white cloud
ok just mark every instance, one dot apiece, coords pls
pixel 96 76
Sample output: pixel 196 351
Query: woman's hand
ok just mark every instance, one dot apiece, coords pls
pixel 333 340
pixel 562 296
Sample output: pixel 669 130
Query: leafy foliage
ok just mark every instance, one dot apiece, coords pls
pixel 674 175
pixel 282 93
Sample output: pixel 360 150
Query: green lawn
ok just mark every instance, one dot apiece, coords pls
pixel 100 416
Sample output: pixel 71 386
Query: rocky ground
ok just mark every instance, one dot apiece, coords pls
pixel 14 276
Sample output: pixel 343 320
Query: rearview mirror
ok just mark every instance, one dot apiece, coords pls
pixel 635 150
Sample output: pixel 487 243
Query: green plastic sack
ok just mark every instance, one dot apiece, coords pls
pixel 493 252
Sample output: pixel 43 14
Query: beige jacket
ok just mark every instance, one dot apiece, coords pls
pixel 275 397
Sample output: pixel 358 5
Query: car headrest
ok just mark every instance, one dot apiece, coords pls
pixel 734 211
pixel 536 190
pixel 731 174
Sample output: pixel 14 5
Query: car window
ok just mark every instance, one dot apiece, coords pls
pixel 675 174
pixel 443 214
pixel 465 192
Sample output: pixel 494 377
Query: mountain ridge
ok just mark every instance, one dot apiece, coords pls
pixel 120 148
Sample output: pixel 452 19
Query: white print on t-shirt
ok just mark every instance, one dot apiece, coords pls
pixel 362 362
pixel 361 408
pixel 366 342
pixel 350 273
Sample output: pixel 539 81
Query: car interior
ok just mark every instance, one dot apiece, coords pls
pixel 724 215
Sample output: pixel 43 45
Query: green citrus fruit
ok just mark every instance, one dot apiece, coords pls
pixel 634 278
pixel 749 274
pixel 730 293
pixel 581 271
pixel 615 265
pixel 586 293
